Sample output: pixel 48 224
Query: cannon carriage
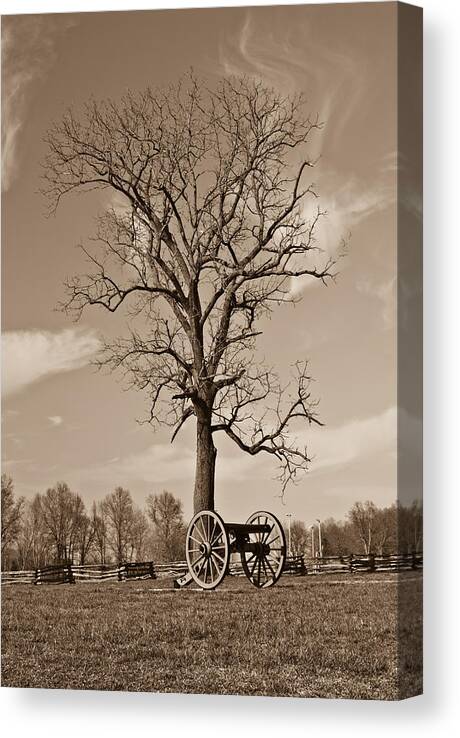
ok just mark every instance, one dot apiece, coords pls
pixel 210 542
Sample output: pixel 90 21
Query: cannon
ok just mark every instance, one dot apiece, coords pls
pixel 210 541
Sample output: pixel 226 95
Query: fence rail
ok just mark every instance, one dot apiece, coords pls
pixel 355 563
pixel 71 573
pixel 295 565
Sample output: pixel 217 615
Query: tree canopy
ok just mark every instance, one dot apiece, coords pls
pixel 219 215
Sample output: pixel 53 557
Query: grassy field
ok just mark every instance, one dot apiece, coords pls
pixel 307 637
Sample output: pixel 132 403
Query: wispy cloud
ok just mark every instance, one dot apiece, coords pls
pixel 386 293
pixel 173 465
pixel 164 463
pixel 293 60
pixel 55 420
pixel 346 206
pixel 10 463
pixel 344 444
pixel 157 464
pixel 28 52
pixel 336 84
pixel 29 356
pixel 412 200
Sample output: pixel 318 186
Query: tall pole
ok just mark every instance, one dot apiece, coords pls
pixel 319 538
pixel 289 516
pixel 312 530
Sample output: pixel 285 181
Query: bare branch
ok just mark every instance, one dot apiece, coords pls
pixel 271 432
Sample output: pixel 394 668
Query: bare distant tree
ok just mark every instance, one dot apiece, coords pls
pixel 410 526
pixel 34 546
pixel 166 514
pixel 11 516
pixel 119 512
pixel 84 537
pixel 99 527
pixel 364 518
pixel 385 536
pixel 139 536
pixel 299 537
pixel 339 537
pixel 218 216
pixel 61 511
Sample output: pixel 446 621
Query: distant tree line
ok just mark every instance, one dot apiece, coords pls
pixel 55 526
pixel 366 529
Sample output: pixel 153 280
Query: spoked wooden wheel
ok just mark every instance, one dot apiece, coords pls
pixel 264 556
pixel 207 549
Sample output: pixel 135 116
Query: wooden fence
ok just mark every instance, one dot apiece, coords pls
pixel 295 565
pixel 71 573
pixel 356 563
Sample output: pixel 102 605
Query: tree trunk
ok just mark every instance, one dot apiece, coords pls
pixel 203 497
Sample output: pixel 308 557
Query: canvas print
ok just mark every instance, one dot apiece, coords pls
pixel 211 351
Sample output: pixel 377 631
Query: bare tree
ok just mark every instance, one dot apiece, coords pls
pixel 11 517
pixel 84 537
pixel 34 546
pixel 385 535
pixel 166 514
pixel 410 527
pixel 218 217
pixel 139 536
pixel 364 518
pixel 119 512
pixel 299 537
pixel 339 537
pixel 62 511
pixel 99 528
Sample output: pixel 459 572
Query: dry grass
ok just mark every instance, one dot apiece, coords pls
pixel 306 637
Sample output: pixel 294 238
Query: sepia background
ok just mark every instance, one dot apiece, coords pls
pixel 64 421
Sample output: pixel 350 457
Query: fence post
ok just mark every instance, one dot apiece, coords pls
pixel 371 558
pixel 70 574
pixel 36 576
pixel 303 568
pixel 120 574
pixel 414 560
pixel 350 565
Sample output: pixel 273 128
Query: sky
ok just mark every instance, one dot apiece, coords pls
pixel 62 420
